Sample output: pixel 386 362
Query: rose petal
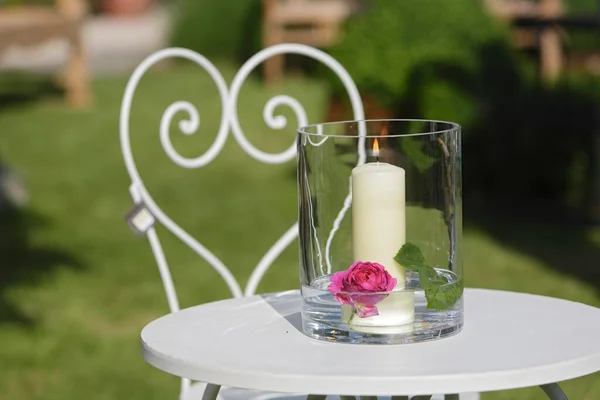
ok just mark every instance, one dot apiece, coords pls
pixel 336 282
pixel 343 298
pixel 391 284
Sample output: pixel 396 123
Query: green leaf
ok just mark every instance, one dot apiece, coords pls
pixel 430 278
pixel 410 257
pixel 426 274
pixel 439 292
pixel 445 296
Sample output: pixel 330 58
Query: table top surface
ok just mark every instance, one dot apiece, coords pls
pixel 509 340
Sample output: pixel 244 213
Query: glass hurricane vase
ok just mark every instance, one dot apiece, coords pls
pixel 380 230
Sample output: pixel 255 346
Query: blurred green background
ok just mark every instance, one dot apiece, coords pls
pixel 77 285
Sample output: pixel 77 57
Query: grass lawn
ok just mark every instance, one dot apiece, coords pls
pixel 78 286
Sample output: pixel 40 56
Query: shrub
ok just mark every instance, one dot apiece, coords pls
pixel 382 46
pixel 589 7
pixel 437 59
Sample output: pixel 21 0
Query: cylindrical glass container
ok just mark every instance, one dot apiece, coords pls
pixel 380 230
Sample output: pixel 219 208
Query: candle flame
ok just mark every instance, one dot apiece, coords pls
pixel 376 148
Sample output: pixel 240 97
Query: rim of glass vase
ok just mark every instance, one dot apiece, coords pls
pixel 452 126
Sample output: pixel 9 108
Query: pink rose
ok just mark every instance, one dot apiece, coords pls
pixel 362 277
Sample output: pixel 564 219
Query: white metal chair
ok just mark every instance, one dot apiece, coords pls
pixel 146 212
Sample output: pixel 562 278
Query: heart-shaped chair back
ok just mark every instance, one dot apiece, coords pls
pixel 147 209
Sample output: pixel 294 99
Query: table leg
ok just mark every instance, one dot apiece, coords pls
pixel 554 392
pixel 211 392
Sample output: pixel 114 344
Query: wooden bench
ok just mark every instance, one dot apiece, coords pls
pixel 315 23
pixel 31 25
pixel 548 40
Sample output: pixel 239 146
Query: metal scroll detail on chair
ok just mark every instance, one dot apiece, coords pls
pixel 229 120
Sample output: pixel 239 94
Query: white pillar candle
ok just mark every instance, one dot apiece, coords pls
pixel 378 232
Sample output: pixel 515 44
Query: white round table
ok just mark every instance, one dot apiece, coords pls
pixel 510 340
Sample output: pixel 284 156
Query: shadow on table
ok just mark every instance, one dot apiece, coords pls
pixel 23 261
pixel 287 304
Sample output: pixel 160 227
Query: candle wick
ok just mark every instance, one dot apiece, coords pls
pixel 377 157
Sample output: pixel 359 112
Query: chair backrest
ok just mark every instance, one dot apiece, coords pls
pixel 229 122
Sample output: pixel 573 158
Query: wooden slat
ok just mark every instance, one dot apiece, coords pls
pixel 29 26
pixel 334 12
pixel 75 9
pixel 509 10
pixel 318 37
pixel 14 18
